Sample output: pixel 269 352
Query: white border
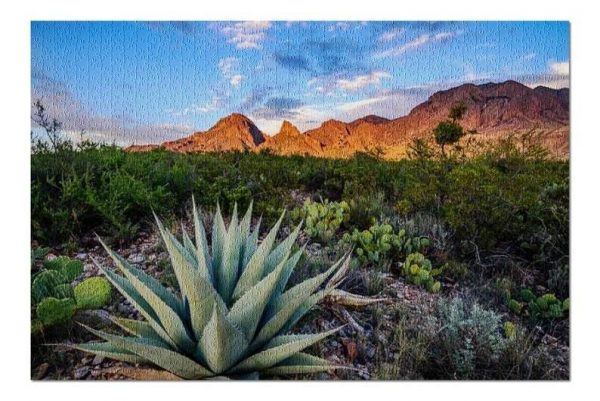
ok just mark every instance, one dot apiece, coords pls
pixel 14 159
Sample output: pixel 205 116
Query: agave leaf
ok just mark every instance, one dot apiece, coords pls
pixel 218 242
pixel 281 250
pixel 341 273
pixel 348 299
pixel 297 369
pixel 202 255
pixel 272 356
pixel 180 258
pixel 305 307
pixel 301 363
pixel 167 296
pixel 130 293
pixel 246 221
pixel 302 358
pixel 247 311
pixel 302 290
pixel 251 244
pixel 254 270
pixel 285 275
pixel 108 350
pixel 287 304
pixel 188 245
pixel 227 272
pixel 136 327
pixel 174 362
pixel 167 316
pixel 222 343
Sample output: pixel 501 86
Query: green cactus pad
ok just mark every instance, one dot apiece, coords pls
pixel 93 293
pixel 52 311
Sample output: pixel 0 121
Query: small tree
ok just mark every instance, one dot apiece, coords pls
pixel 450 131
pixel 52 127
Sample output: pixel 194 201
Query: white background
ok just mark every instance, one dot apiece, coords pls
pixel 15 192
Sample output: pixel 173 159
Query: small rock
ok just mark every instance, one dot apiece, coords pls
pixel 351 350
pixel 81 256
pixel 81 373
pixel 124 309
pixel 136 258
pixel 41 371
pixel 97 360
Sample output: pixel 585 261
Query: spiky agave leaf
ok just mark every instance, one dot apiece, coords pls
pixel 233 310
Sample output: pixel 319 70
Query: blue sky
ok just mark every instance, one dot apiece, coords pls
pixel 137 82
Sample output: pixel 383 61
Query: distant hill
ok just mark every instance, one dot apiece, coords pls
pixel 494 110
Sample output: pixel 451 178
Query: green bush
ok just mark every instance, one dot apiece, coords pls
pixel 418 270
pixel 321 219
pixel 471 337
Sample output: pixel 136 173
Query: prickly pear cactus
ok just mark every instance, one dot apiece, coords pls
pixel 419 271
pixel 52 311
pixel 93 293
pixel 322 219
pixel 379 243
pixel 54 298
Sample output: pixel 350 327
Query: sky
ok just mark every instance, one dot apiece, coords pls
pixel 147 82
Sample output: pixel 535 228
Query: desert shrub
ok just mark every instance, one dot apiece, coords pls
pixel 471 337
pixel 418 270
pixel 321 219
pixel 365 209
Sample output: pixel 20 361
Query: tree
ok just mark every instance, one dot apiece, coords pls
pixel 447 132
pixel 457 111
pixel 450 131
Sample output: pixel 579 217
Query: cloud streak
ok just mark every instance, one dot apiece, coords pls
pixel 420 41
pixel 247 34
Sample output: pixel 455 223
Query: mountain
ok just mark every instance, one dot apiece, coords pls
pixel 235 132
pixel 289 140
pixel 494 111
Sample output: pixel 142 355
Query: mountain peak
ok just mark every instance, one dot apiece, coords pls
pixel 371 119
pixel 287 128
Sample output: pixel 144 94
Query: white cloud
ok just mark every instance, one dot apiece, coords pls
pixel 559 67
pixel 247 34
pixel 359 104
pixel 229 69
pixel 236 79
pixel 216 102
pixel 529 56
pixel 228 65
pixel 418 42
pixel 387 103
pixel 390 35
pixel 362 81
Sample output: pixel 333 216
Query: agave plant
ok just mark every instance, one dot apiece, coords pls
pixel 234 310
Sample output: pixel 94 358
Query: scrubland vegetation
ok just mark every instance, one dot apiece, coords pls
pixel 471 256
